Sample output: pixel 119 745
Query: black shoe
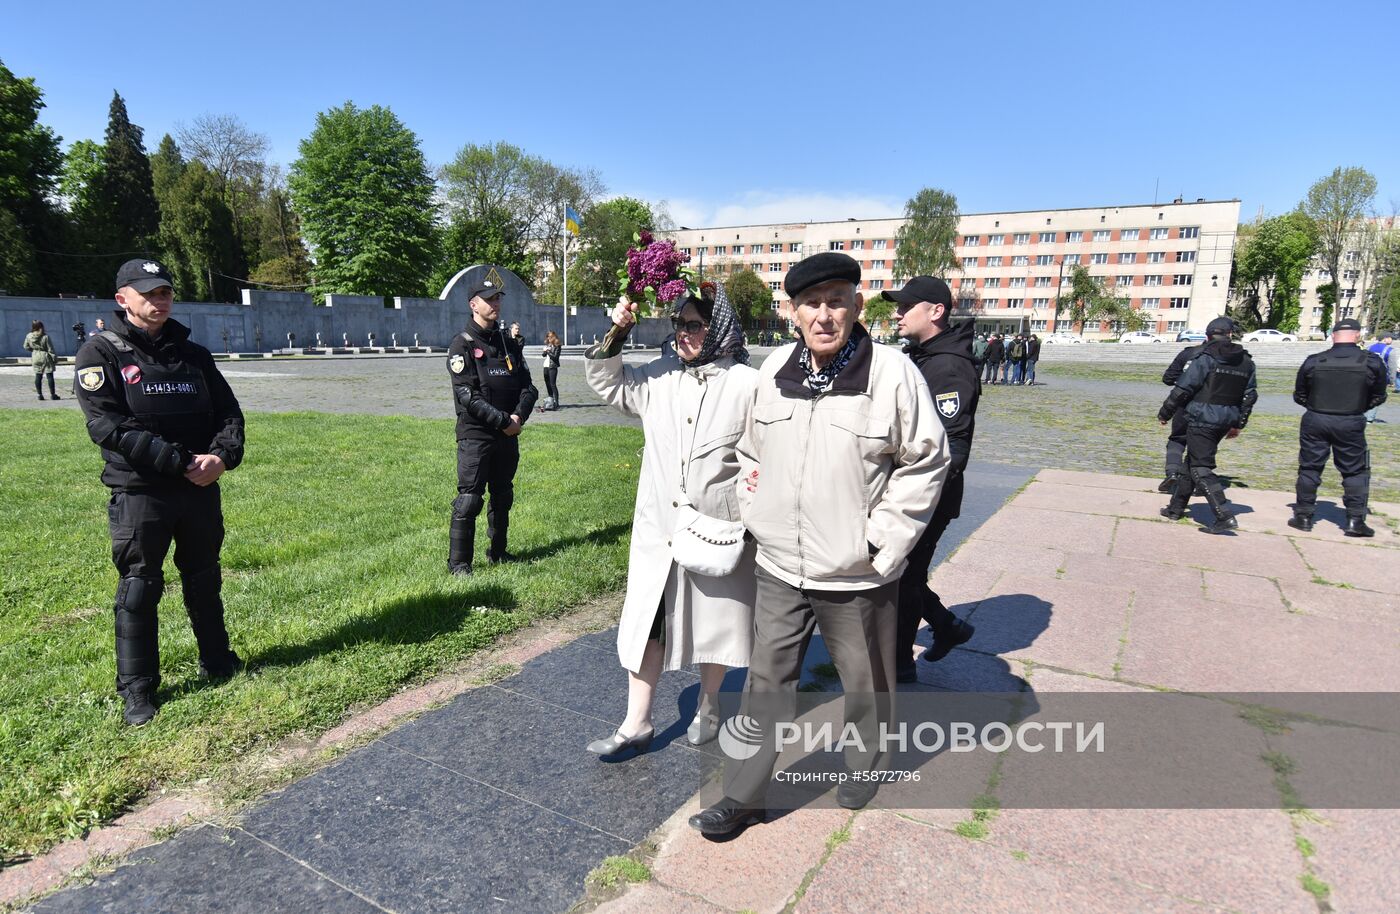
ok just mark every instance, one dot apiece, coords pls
pixel 1168 486
pixel 1171 513
pixel 501 558
pixel 942 644
pixel 459 570
pixel 907 674
pixel 726 817
pixel 1356 526
pixel 54 397
pixel 140 706
pixel 856 794
pixel 213 672
pixel 1302 522
pixel 1226 524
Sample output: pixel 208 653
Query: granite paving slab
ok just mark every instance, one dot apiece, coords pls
pixel 1016 526
pixel 1062 623
pixel 1349 857
pixel 1343 603
pixel 1187 544
pixel 1098 480
pixel 1090 500
pixel 1367 567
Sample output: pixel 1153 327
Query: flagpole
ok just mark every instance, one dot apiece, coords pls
pixel 566 274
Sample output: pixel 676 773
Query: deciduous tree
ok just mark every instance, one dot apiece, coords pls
pixel 751 298
pixel 29 166
pixel 1338 203
pixel 924 243
pixel 1088 300
pixel 1269 265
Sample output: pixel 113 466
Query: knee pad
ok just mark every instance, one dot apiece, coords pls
pixel 139 596
pixel 202 588
pixel 138 646
pixel 467 507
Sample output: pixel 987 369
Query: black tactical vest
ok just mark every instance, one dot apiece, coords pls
pixel 1340 382
pixel 1226 384
pixel 498 374
pixel 168 397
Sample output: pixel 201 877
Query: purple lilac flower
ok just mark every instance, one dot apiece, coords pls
pixel 670 291
pixel 646 237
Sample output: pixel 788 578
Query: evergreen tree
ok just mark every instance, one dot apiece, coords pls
pixel 125 191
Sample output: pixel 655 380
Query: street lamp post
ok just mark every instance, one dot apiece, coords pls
pixel 1059 284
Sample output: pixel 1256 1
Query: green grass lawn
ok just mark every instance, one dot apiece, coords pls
pixel 335 585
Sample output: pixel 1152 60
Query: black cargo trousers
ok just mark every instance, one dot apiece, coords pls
pixel 485 463
pixel 143 523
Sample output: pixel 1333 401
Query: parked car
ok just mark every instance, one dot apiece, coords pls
pixel 1191 336
pixel 1265 335
pixel 1141 336
pixel 1062 338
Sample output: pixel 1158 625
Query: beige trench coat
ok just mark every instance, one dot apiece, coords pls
pixel 692 419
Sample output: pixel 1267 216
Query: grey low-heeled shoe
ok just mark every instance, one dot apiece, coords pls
pixel 616 743
pixel 702 729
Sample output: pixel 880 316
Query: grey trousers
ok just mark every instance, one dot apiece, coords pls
pixel 859 628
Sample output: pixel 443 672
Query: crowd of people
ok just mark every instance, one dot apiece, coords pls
pixel 1006 359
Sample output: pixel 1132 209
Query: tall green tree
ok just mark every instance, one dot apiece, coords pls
pixel 87 236
pixel 125 190
pixel 282 260
pixel 489 239
pixel 484 181
pixel 1269 266
pixel 751 298
pixel 365 198
pixel 1384 294
pixel 1087 299
pixel 29 166
pixel 1338 203
pixel 924 243
pixel 201 226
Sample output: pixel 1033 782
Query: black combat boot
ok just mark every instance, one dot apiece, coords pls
pixel 1356 526
pixel 1181 496
pixel 140 703
pixel 1301 521
pixel 1224 518
pixel 1168 486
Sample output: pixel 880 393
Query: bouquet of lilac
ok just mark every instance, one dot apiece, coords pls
pixel 655 271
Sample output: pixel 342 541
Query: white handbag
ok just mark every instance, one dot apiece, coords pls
pixel 706 545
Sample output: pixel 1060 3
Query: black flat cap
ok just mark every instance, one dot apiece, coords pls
pixel 1221 326
pixel 921 288
pixel 487 289
pixel 1347 323
pixel 143 275
pixel 820 268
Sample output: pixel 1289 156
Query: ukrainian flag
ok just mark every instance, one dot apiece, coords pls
pixel 571 220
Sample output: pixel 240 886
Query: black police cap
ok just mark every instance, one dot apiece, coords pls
pixel 820 268
pixel 921 288
pixel 488 290
pixel 1347 323
pixel 143 275
pixel 1221 326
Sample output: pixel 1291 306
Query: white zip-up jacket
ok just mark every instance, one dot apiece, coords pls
pixel 847 479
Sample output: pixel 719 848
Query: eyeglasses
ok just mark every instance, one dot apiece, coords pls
pixel 691 327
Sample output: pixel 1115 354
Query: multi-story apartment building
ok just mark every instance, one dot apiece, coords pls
pixel 1358 279
pixel 1171 260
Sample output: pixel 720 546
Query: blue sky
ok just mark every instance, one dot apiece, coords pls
pixel 766 111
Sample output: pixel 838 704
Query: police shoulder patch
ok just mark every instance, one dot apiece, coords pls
pixel 948 404
pixel 91 378
pixel 456 363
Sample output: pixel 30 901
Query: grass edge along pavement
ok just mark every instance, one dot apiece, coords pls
pixel 335 585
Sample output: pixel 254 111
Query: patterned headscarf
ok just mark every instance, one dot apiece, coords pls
pixel 725 336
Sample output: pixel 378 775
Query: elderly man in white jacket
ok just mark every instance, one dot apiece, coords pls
pixel 841 465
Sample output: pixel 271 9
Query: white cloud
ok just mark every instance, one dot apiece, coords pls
pixel 757 207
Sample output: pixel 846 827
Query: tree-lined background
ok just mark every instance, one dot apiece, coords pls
pixel 361 211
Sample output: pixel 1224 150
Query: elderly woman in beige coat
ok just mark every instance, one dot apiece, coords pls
pixel 693 407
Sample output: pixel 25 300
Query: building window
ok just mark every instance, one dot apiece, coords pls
pixel 1151 303
pixel 795 247
pixel 1044 260
pixel 1047 237
pixel 775 268
pixel 1039 325
pixel 1181 279
pixel 1156 256
pixel 775 286
pixel 1125 280
pixel 755 249
pixel 1071 259
pixel 1021 238
pixel 967 283
pixel 994 261
pixel 969 261
pixel 1017 282
pixel 1073 237
pixel 1103 235
pixel 991 303
pixel 878 244
pixel 1015 303
pixel 971 241
pixel 858 244
pixel 1350 274
pixel 837 246
pixel 993 282
pixel 1176 326
pixel 996 239
pixel 1152 280
pixel 703 249
pixel 1098 258
pixel 1040 303
pixel 1181 302
pixel 1042 282
pixel 774 248
pixel 1159 234
pixel 966 303
pixel 685 251
pixel 877 283
pixel 1130 234
pixel 877 264
pixel 1185 256
pixel 1020 260
pixel 1127 257
pixel 719 249
pixel 1190 231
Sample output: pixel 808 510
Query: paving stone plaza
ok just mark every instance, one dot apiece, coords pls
pixel 434 806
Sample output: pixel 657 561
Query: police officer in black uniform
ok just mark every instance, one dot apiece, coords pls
pixel 169 427
pixel 494 396
pixel 943 354
pixel 1217 392
pixel 1176 439
pixel 1337 387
